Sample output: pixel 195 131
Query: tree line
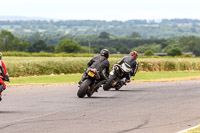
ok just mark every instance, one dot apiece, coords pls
pixel 165 28
pixel 38 42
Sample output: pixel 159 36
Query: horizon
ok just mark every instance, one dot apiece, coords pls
pixel 29 18
pixel 121 10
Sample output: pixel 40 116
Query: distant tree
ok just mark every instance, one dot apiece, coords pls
pixel 135 35
pixel 38 45
pixel 190 44
pixel 112 50
pixel 23 46
pixel 148 53
pixel 7 40
pixel 164 44
pixel 117 45
pixel 174 52
pixel 104 35
pixel 143 48
pixel 97 48
pixel 68 46
pixel 34 37
pixel 85 49
pixel 125 50
pixel 50 48
pixel 153 47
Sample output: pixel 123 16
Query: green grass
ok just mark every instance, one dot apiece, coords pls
pixel 48 79
pixel 74 78
pixel 164 75
pixel 30 66
pixel 46 54
pixel 196 130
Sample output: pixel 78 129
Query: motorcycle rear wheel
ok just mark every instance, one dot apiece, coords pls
pixel 83 88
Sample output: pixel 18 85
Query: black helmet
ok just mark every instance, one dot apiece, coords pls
pixel 0 55
pixel 134 54
pixel 105 52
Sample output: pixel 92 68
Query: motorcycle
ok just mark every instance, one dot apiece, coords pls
pixel 117 77
pixel 91 83
pixel 1 85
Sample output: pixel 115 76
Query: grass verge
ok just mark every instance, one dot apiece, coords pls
pixel 166 76
pixel 30 66
pixel 192 130
pixel 74 78
pixel 197 130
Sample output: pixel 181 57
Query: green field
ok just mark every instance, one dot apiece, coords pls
pixel 74 78
pixel 30 66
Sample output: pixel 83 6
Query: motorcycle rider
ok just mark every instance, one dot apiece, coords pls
pixel 3 76
pixel 130 62
pixel 101 63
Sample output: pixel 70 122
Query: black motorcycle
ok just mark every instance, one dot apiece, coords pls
pixel 117 77
pixel 91 83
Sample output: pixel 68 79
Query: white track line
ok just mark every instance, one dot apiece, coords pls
pixel 188 129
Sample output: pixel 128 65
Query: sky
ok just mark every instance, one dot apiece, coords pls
pixel 108 10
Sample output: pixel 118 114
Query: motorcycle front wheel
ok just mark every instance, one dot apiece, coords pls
pixel 108 85
pixel 83 88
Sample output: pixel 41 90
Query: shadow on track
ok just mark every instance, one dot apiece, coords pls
pixel 128 90
pixel 99 97
pixel 10 112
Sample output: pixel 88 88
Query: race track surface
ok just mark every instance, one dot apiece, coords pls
pixel 156 107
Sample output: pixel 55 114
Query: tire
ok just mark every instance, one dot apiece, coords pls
pixel 89 94
pixel 117 88
pixel 83 88
pixel 107 86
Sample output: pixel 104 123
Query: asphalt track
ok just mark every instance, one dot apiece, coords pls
pixel 156 107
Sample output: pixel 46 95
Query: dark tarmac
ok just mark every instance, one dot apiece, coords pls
pixel 150 107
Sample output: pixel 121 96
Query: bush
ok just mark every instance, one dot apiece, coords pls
pixel 68 46
pixel 148 53
pixel 124 50
pixel 187 55
pixel 174 52
pixel 45 54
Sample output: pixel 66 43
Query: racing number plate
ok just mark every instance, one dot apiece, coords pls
pixel 91 74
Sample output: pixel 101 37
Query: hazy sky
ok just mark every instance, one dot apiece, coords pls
pixel 102 9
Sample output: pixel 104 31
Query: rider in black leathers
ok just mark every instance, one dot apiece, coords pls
pixel 101 63
pixel 130 62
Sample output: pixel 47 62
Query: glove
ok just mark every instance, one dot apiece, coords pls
pixel 6 77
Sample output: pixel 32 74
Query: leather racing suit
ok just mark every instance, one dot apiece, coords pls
pixel 100 63
pixel 3 76
pixel 130 64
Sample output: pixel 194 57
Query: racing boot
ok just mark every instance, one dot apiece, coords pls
pixel 128 78
pixel 1 88
pixel 98 85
